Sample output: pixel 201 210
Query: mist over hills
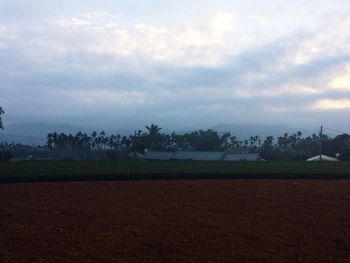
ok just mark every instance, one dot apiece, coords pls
pixel 244 131
pixel 35 133
pixel 32 133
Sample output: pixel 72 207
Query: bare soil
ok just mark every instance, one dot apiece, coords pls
pixel 176 221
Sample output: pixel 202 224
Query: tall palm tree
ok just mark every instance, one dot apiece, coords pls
pixel 93 140
pixel 153 129
pixel 154 137
pixel 50 141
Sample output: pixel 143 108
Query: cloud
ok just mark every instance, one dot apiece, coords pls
pixel 3 30
pixel 96 97
pixel 341 79
pixel 196 43
pixel 328 104
pixel 331 39
pixel 201 71
pixel 72 23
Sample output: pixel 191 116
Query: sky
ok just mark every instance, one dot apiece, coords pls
pixel 106 64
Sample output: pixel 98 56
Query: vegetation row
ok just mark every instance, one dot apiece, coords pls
pixel 100 146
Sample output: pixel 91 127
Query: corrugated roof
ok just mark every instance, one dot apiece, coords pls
pixel 198 156
pixel 241 157
pixel 154 155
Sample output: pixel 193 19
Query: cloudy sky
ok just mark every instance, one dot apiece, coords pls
pixel 176 63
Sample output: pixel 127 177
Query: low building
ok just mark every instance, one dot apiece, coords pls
pixel 135 156
pixel 198 156
pixel 322 158
pixel 236 157
pixel 156 155
pixel 201 156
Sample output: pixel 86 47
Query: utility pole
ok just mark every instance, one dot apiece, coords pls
pixel 1 125
pixel 1 113
pixel 320 143
pixel 135 142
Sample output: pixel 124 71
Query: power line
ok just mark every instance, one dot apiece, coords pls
pixel 305 130
pixel 340 132
pixel 42 138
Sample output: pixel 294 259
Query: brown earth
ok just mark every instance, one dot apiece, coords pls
pixel 176 221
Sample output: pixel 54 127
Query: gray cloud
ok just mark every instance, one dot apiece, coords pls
pixel 91 74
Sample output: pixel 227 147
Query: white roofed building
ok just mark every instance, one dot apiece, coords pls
pixel 322 158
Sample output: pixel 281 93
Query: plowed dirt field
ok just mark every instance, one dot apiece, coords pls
pixel 176 221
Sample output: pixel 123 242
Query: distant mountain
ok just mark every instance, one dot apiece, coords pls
pixel 32 133
pixel 36 132
pixel 244 131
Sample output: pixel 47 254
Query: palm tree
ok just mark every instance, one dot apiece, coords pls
pixel 112 142
pixel 154 137
pixel 93 140
pixel 50 141
pixel 101 139
pixel 254 140
pixel 153 129
pixel 55 139
pixel 208 140
pixel 234 142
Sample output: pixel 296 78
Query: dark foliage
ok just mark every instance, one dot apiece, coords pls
pixel 5 156
pixel 100 146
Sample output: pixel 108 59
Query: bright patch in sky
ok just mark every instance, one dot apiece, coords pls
pixel 333 104
pixel 341 80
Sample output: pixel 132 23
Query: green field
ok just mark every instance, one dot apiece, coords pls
pixel 137 170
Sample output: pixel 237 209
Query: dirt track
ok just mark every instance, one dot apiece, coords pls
pixel 176 221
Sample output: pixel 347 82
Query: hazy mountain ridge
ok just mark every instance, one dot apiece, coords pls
pixel 244 131
pixel 35 133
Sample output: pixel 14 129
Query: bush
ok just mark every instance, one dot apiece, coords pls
pixel 5 156
pixel 112 155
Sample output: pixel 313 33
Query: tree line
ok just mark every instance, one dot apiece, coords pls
pixel 285 147
pixel 99 145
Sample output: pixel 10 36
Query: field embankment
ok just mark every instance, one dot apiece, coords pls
pixel 46 171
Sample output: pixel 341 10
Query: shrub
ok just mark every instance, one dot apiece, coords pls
pixel 113 155
pixel 5 156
